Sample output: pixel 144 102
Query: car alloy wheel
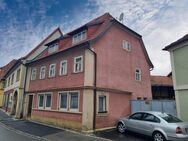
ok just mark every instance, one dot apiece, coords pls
pixel 158 137
pixel 121 128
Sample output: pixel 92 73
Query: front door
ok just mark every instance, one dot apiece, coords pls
pixel 30 105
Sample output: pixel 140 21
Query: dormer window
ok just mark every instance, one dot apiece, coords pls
pixel 79 37
pixel 53 48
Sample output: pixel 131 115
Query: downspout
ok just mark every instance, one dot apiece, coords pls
pixel 94 89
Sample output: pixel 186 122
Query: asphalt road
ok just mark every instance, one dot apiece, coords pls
pixel 7 135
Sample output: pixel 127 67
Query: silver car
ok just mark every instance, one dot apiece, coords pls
pixel 160 126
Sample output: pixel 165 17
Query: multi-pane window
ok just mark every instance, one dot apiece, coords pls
pixel 138 74
pixel 44 101
pixel 63 101
pixel 69 101
pixel 73 100
pixel 126 45
pixel 41 101
pixel 79 37
pixel 78 64
pixel 42 72
pixel 12 79
pixel 33 74
pixel 53 48
pixel 48 101
pixel 52 70
pixel 63 67
pixel 18 75
pixel 102 104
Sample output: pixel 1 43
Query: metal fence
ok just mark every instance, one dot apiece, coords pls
pixel 168 106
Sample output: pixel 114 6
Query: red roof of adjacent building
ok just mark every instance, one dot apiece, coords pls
pixel 95 29
pixel 161 81
pixel 6 68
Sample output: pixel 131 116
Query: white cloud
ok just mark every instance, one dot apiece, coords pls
pixel 2 5
pixel 159 22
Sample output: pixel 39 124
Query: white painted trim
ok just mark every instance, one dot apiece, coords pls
pixel 64 61
pixel 44 72
pixel 140 72
pixel 59 100
pixel 68 101
pixel 49 93
pixel 82 62
pixel 50 69
pixel 38 100
pixel 32 69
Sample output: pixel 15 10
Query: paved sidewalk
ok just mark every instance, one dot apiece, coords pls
pixel 44 132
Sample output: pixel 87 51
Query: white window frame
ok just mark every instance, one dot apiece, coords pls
pixel 75 71
pixel 79 37
pixel 33 75
pixel 126 45
pixel 49 75
pixel 69 109
pixel 38 100
pixel 63 93
pixel 138 74
pixel 75 109
pixel 53 48
pixel 60 71
pixel 41 75
pixel 104 104
pixel 45 98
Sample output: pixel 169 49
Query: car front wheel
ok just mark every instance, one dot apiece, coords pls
pixel 157 136
pixel 121 127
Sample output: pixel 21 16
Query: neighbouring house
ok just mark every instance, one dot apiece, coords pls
pixel 15 78
pixel 162 87
pixel 3 71
pixel 85 79
pixel 179 56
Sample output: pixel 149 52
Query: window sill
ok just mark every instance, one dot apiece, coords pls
pixel 60 111
pixel 77 72
pixel 105 113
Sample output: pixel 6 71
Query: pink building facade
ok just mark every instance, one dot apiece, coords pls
pixel 85 79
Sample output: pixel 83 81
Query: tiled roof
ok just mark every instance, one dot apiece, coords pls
pixel 43 41
pixel 161 81
pixel 181 40
pixel 96 28
pixel 6 68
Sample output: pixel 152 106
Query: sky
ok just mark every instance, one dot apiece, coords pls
pixel 24 23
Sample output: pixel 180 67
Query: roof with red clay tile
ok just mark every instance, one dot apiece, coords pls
pixel 181 40
pixel 95 29
pixel 161 81
pixel 6 68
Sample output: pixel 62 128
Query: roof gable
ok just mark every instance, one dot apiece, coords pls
pixel 41 46
pixel 95 29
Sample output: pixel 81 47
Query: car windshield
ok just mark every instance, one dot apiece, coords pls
pixel 169 118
